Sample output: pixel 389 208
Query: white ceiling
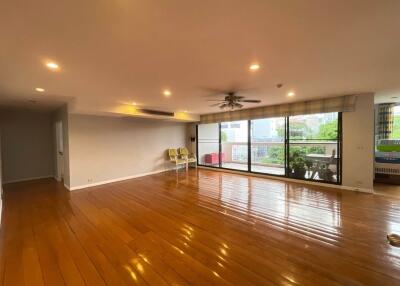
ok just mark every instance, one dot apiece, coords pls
pixel 122 51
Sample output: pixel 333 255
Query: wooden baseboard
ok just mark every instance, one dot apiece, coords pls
pixel 116 180
pixel 28 179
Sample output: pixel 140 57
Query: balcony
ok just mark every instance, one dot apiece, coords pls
pixel 318 158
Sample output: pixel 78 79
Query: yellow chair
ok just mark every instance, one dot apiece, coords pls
pixel 185 155
pixel 174 158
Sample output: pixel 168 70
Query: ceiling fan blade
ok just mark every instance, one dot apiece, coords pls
pixel 215 104
pixel 221 100
pixel 238 105
pixel 250 100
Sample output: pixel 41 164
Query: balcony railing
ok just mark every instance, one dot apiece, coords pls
pixel 269 157
pixel 236 152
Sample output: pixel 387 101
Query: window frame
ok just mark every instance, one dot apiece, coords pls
pixel 286 143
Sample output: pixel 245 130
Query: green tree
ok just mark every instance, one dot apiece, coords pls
pixel 328 130
pixel 275 155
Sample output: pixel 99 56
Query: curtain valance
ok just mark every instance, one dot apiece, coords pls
pixel 333 104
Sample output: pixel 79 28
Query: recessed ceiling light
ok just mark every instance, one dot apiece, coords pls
pixel 167 93
pixel 291 93
pixel 254 67
pixel 39 89
pixel 52 66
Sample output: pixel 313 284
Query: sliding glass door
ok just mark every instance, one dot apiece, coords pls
pixel 208 144
pixel 268 146
pixel 234 145
pixel 303 147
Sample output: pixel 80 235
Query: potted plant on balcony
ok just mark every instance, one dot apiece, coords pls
pixel 299 165
pixel 325 173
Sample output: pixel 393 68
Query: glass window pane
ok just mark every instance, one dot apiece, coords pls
pixel 268 146
pixel 321 126
pixel 234 144
pixel 208 144
pixel 396 123
pixel 313 147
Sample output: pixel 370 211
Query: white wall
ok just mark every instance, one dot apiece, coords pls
pixel 104 149
pixel 358 144
pixel 27 144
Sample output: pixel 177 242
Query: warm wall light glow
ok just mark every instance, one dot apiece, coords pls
pixel 52 65
pixel 291 93
pixel 167 93
pixel 39 89
pixel 133 103
pixel 183 116
pixel 254 67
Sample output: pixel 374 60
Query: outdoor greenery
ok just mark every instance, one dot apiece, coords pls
pixel 298 164
pixel 328 130
pixel 396 127
pixel 276 154
pixel 300 130
pixel 224 136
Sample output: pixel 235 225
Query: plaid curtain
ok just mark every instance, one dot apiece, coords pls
pixel 335 104
pixel 385 120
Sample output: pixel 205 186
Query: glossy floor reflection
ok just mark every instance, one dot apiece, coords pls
pixel 198 228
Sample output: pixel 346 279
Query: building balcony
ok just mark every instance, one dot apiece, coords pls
pixel 318 158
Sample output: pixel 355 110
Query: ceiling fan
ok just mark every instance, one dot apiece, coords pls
pixel 231 100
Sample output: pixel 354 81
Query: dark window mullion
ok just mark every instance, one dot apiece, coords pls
pixel 197 144
pixel 249 145
pixel 219 146
pixel 339 149
pixel 287 173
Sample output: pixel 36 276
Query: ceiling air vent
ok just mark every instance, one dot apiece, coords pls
pixel 156 112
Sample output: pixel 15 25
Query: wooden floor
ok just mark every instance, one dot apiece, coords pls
pixel 201 228
pixel 387 190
